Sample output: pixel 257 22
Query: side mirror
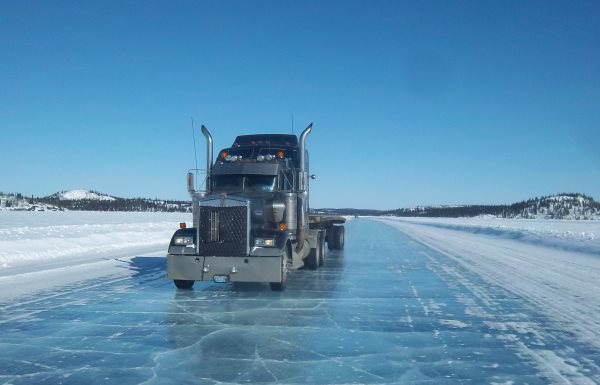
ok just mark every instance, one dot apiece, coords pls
pixel 313 176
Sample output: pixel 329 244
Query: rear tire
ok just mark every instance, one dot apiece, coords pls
pixel 183 284
pixel 340 236
pixel 336 237
pixel 331 238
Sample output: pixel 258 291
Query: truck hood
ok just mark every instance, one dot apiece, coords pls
pixel 262 212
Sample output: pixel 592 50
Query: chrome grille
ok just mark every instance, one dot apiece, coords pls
pixel 223 231
pixel 213 223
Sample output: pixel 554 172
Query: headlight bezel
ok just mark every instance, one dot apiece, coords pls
pixel 183 240
pixel 265 242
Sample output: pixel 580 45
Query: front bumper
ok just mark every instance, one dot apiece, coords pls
pixel 236 269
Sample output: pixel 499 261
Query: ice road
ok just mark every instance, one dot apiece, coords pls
pixel 397 306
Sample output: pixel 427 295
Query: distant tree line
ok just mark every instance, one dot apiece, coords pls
pixel 119 204
pixel 347 211
pixel 561 206
pixel 578 206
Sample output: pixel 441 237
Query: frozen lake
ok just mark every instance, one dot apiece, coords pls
pixel 386 310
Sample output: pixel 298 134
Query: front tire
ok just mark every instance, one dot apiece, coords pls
pixel 183 284
pixel 280 286
pixel 313 261
pixel 277 286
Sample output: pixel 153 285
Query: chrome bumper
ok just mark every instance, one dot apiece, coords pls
pixel 237 269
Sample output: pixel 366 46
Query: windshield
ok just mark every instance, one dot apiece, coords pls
pixel 238 183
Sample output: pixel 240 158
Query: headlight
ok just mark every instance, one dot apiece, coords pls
pixel 264 242
pixel 183 241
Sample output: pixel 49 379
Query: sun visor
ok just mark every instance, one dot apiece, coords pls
pixel 246 168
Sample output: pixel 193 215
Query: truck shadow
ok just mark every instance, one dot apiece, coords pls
pixel 229 290
pixel 145 268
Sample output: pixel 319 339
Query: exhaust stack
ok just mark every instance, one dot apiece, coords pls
pixel 303 171
pixel 209 156
pixel 190 183
pixel 302 206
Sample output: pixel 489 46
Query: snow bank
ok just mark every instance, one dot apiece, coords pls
pixel 570 235
pixel 32 241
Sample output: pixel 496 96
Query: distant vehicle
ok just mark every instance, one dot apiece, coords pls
pixel 251 221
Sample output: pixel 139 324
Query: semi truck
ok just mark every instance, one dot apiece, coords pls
pixel 251 220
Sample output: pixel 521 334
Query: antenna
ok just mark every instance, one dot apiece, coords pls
pixel 194 138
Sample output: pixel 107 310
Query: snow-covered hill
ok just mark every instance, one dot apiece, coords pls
pixel 562 206
pixel 79 195
pixel 86 200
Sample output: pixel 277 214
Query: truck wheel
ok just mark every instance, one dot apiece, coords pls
pixel 183 284
pixel 331 237
pixel 321 246
pixel 277 286
pixel 280 286
pixel 313 261
pixel 339 237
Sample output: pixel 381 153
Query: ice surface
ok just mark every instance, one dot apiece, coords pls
pixel 386 310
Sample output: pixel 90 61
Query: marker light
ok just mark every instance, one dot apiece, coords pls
pixel 223 154
pixel 282 227
pixel 280 154
pixel 182 225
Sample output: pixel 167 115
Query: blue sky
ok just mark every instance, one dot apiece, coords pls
pixel 413 103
